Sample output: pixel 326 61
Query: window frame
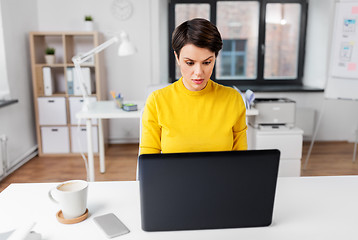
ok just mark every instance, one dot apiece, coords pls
pixel 259 80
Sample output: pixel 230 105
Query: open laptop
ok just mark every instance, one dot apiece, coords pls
pixel 207 190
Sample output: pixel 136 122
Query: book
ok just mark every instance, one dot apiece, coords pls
pixel 48 80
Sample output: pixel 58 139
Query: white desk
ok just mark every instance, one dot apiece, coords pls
pixel 103 110
pixel 319 208
pixel 107 110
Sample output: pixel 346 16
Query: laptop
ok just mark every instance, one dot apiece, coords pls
pixel 207 190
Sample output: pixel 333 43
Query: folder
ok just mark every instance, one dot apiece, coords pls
pixel 70 72
pixel 86 74
pixel 48 80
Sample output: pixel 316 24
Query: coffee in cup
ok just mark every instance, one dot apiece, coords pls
pixel 72 197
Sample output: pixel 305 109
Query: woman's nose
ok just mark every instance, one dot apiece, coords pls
pixel 198 69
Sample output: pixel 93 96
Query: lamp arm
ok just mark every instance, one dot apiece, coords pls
pixel 77 60
pixel 83 57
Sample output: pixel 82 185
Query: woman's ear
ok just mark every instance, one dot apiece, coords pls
pixel 176 57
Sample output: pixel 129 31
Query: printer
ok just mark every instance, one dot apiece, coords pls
pixel 273 111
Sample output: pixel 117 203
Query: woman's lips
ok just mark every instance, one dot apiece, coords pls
pixel 198 81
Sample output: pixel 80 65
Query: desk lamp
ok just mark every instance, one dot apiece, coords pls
pixel 125 48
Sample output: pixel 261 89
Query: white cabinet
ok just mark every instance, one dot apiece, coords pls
pixel 52 110
pixel 55 140
pixel 79 139
pixel 76 104
pixel 287 140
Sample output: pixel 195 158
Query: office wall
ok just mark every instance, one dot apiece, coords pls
pixel 127 75
pixel 4 86
pixel 17 120
pixel 148 29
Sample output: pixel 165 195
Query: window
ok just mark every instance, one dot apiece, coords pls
pixel 263 40
pixel 232 63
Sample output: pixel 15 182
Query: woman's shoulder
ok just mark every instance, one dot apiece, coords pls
pixel 225 90
pixel 158 92
pixel 164 89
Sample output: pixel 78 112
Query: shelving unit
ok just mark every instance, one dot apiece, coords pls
pixel 55 126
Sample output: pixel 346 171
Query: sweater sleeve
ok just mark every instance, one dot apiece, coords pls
pixel 240 128
pixel 151 131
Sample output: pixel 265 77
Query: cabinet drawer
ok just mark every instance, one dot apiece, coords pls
pixel 289 168
pixel 55 140
pixel 289 145
pixel 52 111
pixel 76 104
pixel 79 136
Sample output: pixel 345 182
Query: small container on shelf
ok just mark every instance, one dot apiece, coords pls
pixel 118 99
pixel 130 107
pixel 119 102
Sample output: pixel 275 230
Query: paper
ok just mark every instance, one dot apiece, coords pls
pixel 352 67
pixel 355 10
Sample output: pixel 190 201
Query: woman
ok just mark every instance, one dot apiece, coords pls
pixel 194 114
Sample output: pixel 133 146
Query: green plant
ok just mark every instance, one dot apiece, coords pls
pixel 50 51
pixel 88 18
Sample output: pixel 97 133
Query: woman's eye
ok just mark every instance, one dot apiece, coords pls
pixel 190 63
pixel 207 63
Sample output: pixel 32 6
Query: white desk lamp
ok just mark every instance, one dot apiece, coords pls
pixel 125 48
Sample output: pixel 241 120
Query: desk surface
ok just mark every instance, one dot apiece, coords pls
pixel 108 109
pixel 305 208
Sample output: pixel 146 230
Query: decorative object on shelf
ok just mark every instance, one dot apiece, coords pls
pixel 125 48
pixel 122 9
pixel 88 23
pixel 50 55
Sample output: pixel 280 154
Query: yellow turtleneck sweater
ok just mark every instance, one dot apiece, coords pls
pixel 176 119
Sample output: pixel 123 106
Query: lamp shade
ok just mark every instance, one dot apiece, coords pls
pixel 126 48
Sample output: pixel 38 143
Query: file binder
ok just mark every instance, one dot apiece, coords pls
pixel 70 72
pixel 48 80
pixel 86 73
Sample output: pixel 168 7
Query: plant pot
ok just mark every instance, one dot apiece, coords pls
pixel 50 59
pixel 88 25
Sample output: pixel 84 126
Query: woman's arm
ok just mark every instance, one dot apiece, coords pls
pixel 151 131
pixel 240 128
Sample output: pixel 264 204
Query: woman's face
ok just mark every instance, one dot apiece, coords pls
pixel 196 65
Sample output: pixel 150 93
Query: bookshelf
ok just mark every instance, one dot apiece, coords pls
pixel 56 126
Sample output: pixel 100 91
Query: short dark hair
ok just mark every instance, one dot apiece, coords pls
pixel 199 32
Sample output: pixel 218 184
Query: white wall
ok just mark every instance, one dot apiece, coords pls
pixel 4 86
pixel 127 75
pixel 17 120
pixel 147 28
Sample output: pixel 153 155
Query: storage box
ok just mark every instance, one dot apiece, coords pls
pixel 79 139
pixel 52 110
pixel 55 140
pixel 287 140
pixel 76 104
pixel 274 111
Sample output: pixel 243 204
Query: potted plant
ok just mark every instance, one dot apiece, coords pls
pixel 88 23
pixel 50 55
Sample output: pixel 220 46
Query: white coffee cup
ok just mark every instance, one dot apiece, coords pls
pixel 72 197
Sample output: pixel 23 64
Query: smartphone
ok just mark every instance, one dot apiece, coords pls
pixel 111 225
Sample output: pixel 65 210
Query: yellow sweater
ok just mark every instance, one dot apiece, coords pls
pixel 176 119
